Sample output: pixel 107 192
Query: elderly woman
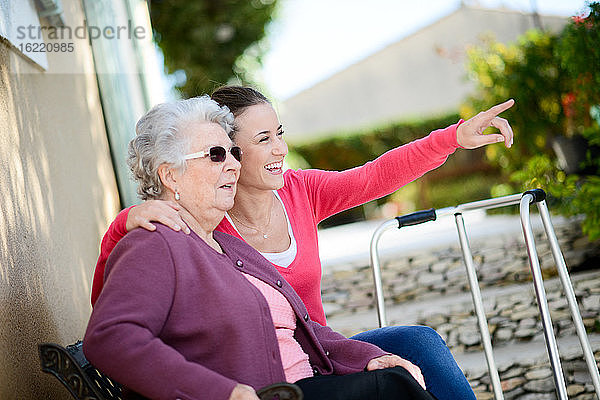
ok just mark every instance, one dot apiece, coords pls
pixel 204 315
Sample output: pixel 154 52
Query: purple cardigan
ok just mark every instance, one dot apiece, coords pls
pixel 176 319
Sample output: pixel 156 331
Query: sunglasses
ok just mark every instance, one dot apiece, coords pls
pixel 216 154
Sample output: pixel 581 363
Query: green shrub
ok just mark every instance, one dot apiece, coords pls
pixel 352 149
pixel 555 80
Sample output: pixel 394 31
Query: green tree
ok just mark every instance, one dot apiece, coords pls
pixel 555 81
pixel 528 72
pixel 204 38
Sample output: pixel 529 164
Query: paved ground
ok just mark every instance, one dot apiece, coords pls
pixel 350 243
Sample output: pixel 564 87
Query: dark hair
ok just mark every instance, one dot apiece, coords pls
pixel 237 99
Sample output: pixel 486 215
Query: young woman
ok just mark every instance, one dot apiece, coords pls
pixel 277 213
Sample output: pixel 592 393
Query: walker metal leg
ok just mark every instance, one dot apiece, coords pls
pixel 415 218
pixel 381 317
pixel 478 305
pixel 570 294
pixel 540 293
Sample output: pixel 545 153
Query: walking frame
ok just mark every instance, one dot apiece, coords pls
pixel 524 200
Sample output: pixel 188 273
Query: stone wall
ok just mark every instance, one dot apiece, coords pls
pixel 513 315
pixel 432 272
pixel 534 381
pixel 429 287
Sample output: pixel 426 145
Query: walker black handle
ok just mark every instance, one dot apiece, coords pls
pixel 538 195
pixel 418 217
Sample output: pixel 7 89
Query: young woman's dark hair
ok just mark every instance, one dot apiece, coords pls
pixel 237 99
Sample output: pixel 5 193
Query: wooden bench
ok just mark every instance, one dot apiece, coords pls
pixel 85 382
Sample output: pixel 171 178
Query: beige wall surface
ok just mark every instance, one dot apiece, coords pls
pixel 418 76
pixel 57 195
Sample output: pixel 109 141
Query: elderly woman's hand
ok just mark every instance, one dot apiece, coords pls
pixel 165 212
pixel 393 360
pixel 470 133
pixel 243 392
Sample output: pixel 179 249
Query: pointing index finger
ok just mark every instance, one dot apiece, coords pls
pixel 499 108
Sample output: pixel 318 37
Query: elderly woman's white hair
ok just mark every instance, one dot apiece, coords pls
pixel 159 140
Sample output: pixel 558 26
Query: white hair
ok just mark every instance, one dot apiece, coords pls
pixel 159 139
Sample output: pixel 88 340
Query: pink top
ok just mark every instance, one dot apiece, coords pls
pixel 310 196
pixel 294 360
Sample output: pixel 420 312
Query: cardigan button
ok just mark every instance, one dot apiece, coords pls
pixel 327 353
pixel 306 317
pixel 239 263
pixel 279 283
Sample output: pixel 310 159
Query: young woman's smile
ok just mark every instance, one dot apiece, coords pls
pixel 275 168
pixel 260 135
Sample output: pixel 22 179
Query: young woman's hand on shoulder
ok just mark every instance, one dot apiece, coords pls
pixel 165 212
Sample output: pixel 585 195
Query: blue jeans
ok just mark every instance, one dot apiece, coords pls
pixel 425 348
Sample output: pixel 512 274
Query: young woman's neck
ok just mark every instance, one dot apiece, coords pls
pixel 253 205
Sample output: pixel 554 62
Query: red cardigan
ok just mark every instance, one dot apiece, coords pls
pixel 310 196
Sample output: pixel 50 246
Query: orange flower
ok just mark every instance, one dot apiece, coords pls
pixel 568 102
